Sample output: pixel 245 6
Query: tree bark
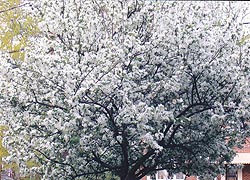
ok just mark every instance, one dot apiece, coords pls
pixel 128 177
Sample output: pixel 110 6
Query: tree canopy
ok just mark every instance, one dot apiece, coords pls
pixel 128 87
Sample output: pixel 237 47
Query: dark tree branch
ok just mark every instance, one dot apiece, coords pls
pixel 14 7
pixel 182 113
pixel 55 161
pixel 103 164
pixel 141 160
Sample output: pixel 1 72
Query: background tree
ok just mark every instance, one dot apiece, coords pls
pixel 16 27
pixel 128 87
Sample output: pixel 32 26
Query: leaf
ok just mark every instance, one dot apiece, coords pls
pixel 11 166
pixel 243 39
pixel 32 163
pixel 3 150
pixel 16 28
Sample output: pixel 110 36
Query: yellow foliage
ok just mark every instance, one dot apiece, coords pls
pixel 32 163
pixel 244 39
pixel 16 27
pixel 13 166
pixel 3 128
pixel 3 150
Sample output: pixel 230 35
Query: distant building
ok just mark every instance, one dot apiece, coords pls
pixel 242 158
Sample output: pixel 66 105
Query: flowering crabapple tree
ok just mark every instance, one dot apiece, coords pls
pixel 128 88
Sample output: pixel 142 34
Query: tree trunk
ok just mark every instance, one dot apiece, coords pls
pixel 128 177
